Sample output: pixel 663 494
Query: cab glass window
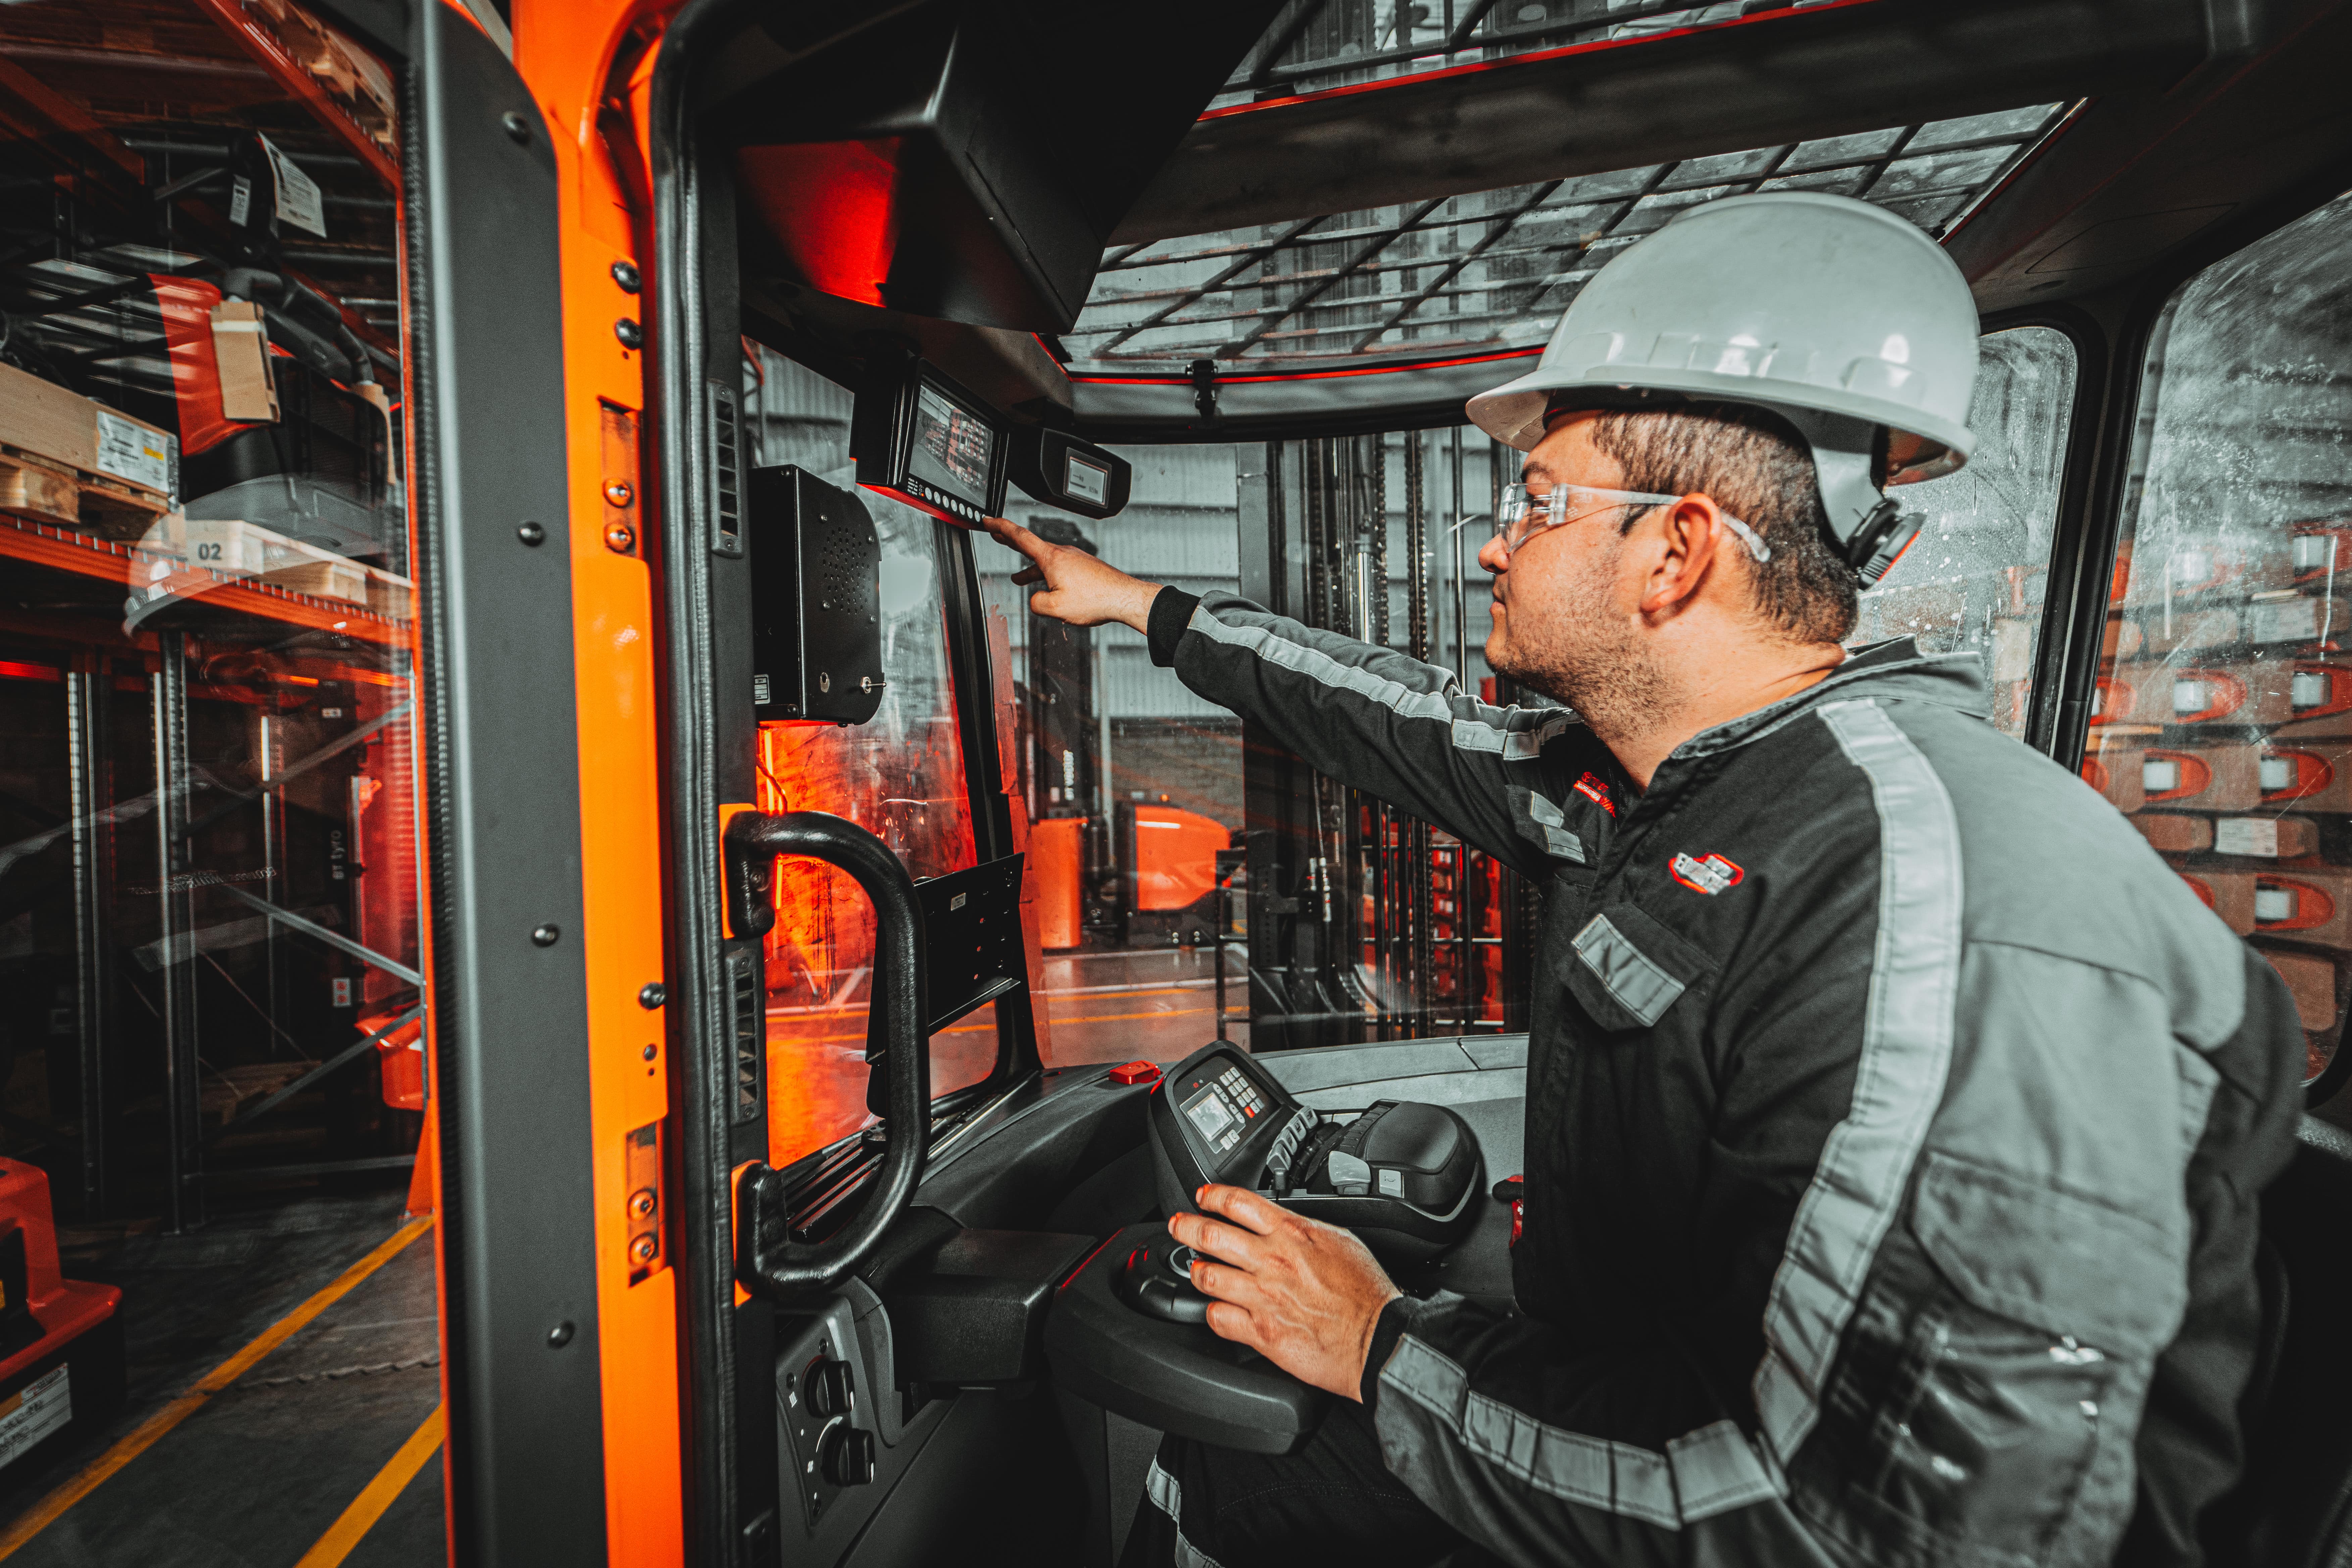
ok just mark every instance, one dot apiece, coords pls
pixel 1130 786
pixel 2222 720
pixel 900 775
pixel 1973 579
pixel 209 872
pixel 1137 792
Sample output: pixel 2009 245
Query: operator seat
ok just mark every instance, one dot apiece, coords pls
pixel 2293 1507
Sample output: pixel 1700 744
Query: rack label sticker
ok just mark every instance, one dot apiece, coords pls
pixel 2246 835
pixel 32 1412
pixel 1705 873
pixel 129 450
pixel 300 201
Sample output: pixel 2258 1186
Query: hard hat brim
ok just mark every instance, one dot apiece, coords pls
pixel 1513 413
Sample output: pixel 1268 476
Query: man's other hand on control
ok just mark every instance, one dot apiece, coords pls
pixel 1080 589
pixel 1303 1294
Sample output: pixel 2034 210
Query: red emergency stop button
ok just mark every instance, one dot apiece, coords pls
pixel 1135 1072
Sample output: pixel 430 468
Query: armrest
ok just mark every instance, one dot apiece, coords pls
pixel 973 1310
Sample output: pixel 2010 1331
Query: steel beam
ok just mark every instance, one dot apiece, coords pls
pixel 175 924
pixel 90 782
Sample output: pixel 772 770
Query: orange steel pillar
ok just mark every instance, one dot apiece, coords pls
pixel 585 62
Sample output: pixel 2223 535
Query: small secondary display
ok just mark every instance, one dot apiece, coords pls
pixel 1222 1112
pixel 1069 471
pixel 1088 481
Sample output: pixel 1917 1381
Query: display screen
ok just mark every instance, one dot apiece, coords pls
pixel 1088 481
pixel 955 448
pixel 1222 1111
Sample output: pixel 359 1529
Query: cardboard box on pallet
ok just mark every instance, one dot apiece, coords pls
pixel 125 470
pixel 2248 691
pixel 2322 700
pixel 2202 778
pixel 2309 903
pixel 2113 767
pixel 2229 894
pixel 2310 980
pixel 2312 775
pixel 2258 838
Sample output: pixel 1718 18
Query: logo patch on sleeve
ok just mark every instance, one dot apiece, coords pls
pixel 1704 873
pixel 1591 788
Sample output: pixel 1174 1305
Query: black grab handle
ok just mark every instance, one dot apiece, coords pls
pixel 768 1261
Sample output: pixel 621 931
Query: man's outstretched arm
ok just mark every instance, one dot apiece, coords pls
pixel 1381 722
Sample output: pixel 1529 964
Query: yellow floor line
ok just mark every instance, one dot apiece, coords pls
pixel 151 1431
pixel 375 1496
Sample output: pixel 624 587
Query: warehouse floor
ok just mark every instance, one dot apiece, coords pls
pixel 323 1450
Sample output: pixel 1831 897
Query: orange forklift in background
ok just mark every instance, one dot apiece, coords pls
pixel 804 948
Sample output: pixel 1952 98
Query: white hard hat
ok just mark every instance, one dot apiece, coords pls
pixel 1839 316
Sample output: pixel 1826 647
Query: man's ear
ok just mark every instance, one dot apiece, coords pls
pixel 1687 532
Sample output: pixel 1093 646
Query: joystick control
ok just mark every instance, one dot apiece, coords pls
pixel 1158 1281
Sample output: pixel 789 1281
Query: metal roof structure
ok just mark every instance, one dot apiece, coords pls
pixel 1316 45
pixel 1491 271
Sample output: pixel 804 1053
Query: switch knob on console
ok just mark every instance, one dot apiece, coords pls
pixel 846 1453
pixel 827 1387
pixel 1158 1281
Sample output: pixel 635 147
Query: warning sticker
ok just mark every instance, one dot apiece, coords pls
pixel 32 1412
pixel 300 201
pixel 129 450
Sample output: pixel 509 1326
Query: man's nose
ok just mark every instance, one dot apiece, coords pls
pixel 1495 556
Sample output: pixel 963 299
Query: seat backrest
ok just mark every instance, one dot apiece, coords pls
pixel 2292 1508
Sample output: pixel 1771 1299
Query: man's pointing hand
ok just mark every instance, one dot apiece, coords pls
pixel 1080 589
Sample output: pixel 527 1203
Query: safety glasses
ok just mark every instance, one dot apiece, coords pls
pixel 1527 510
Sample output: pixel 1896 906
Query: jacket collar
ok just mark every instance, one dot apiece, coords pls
pixel 1894 670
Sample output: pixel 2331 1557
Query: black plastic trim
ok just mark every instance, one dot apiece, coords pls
pixel 720 1497
pixel 2085 425
pixel 517 1242
pixel 973 1307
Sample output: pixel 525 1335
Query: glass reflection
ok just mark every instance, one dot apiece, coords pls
pixel 2222 720
pixel 900 775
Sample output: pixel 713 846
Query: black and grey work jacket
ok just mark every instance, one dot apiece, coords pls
pixel 1895 1123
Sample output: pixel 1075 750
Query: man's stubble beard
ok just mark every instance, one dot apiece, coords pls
pixel 1584 655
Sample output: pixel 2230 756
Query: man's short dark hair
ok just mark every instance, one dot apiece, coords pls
pixel 1759 470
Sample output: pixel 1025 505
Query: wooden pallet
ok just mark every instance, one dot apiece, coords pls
pixel 49 491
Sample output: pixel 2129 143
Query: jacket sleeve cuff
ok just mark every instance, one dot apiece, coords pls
pixel 1394 1320
pixel 1171 612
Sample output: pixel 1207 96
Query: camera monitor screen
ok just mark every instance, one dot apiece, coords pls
pixel 925 440
pixel 954 450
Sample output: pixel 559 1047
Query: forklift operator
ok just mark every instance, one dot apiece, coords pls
pixel 1895 1118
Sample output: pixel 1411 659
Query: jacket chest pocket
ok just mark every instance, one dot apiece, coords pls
pixel 1627 970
